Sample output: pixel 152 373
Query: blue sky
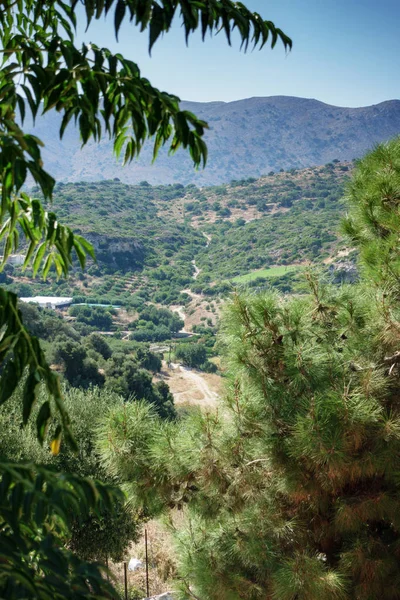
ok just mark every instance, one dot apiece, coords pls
pixel 344 53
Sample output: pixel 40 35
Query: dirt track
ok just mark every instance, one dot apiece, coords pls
pixel 191 387
pixel 197 271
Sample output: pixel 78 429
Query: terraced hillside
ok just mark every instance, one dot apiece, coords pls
pixel 171 244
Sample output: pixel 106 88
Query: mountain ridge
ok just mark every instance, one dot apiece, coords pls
pixel 246 138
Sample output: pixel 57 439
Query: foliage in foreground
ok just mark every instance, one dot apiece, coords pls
pixel 37 508
pixel 92 534
pixel 293 493
pixel 41 70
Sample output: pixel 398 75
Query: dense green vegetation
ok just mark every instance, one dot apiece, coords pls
pixel 93 537
pixel 124 223
pixel 138 248
pixel 292 492
pixel 155 324
pixel 97 317
pixel 147 237
pixel 195 355
pixel 86 360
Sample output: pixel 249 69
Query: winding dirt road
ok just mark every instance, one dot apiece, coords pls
pixel 189 386
pixel 197 271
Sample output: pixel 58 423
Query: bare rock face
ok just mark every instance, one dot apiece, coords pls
pixel 344 272
pixel 120 253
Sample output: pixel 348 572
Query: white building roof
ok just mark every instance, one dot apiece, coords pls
pixel 46 300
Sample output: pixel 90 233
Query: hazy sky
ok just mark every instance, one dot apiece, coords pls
pixel 344 53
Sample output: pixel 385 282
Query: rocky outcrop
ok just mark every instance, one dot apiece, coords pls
pixel 125 254
pixel 344 272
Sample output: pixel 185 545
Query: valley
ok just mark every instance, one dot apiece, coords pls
pixel 199 300
pixel 183 250
pixel 175 244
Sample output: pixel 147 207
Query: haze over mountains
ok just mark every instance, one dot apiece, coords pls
pixel 247 138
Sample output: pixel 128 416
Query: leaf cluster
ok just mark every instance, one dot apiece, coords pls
pixel 373 222
pixel 37 506
pixel 21 351
pixel 209 16
pixel 90 534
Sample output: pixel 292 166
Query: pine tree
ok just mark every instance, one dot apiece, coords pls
pixel 291 491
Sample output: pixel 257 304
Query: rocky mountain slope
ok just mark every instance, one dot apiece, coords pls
pixel 247 138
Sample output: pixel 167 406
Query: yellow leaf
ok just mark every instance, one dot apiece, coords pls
pixel 55 446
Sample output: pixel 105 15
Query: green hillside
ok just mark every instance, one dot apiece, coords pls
pixel 284 219
pixel 139 248
pixel 124 223
pixel 265 273
pixel 148 237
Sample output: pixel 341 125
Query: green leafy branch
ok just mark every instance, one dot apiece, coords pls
pixel 49 241
pixel 37 505
pixel 209 15
pixel 20 352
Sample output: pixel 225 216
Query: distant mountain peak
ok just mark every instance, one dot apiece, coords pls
pixel 247 138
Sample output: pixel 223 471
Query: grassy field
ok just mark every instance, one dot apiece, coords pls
pixel 272 272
